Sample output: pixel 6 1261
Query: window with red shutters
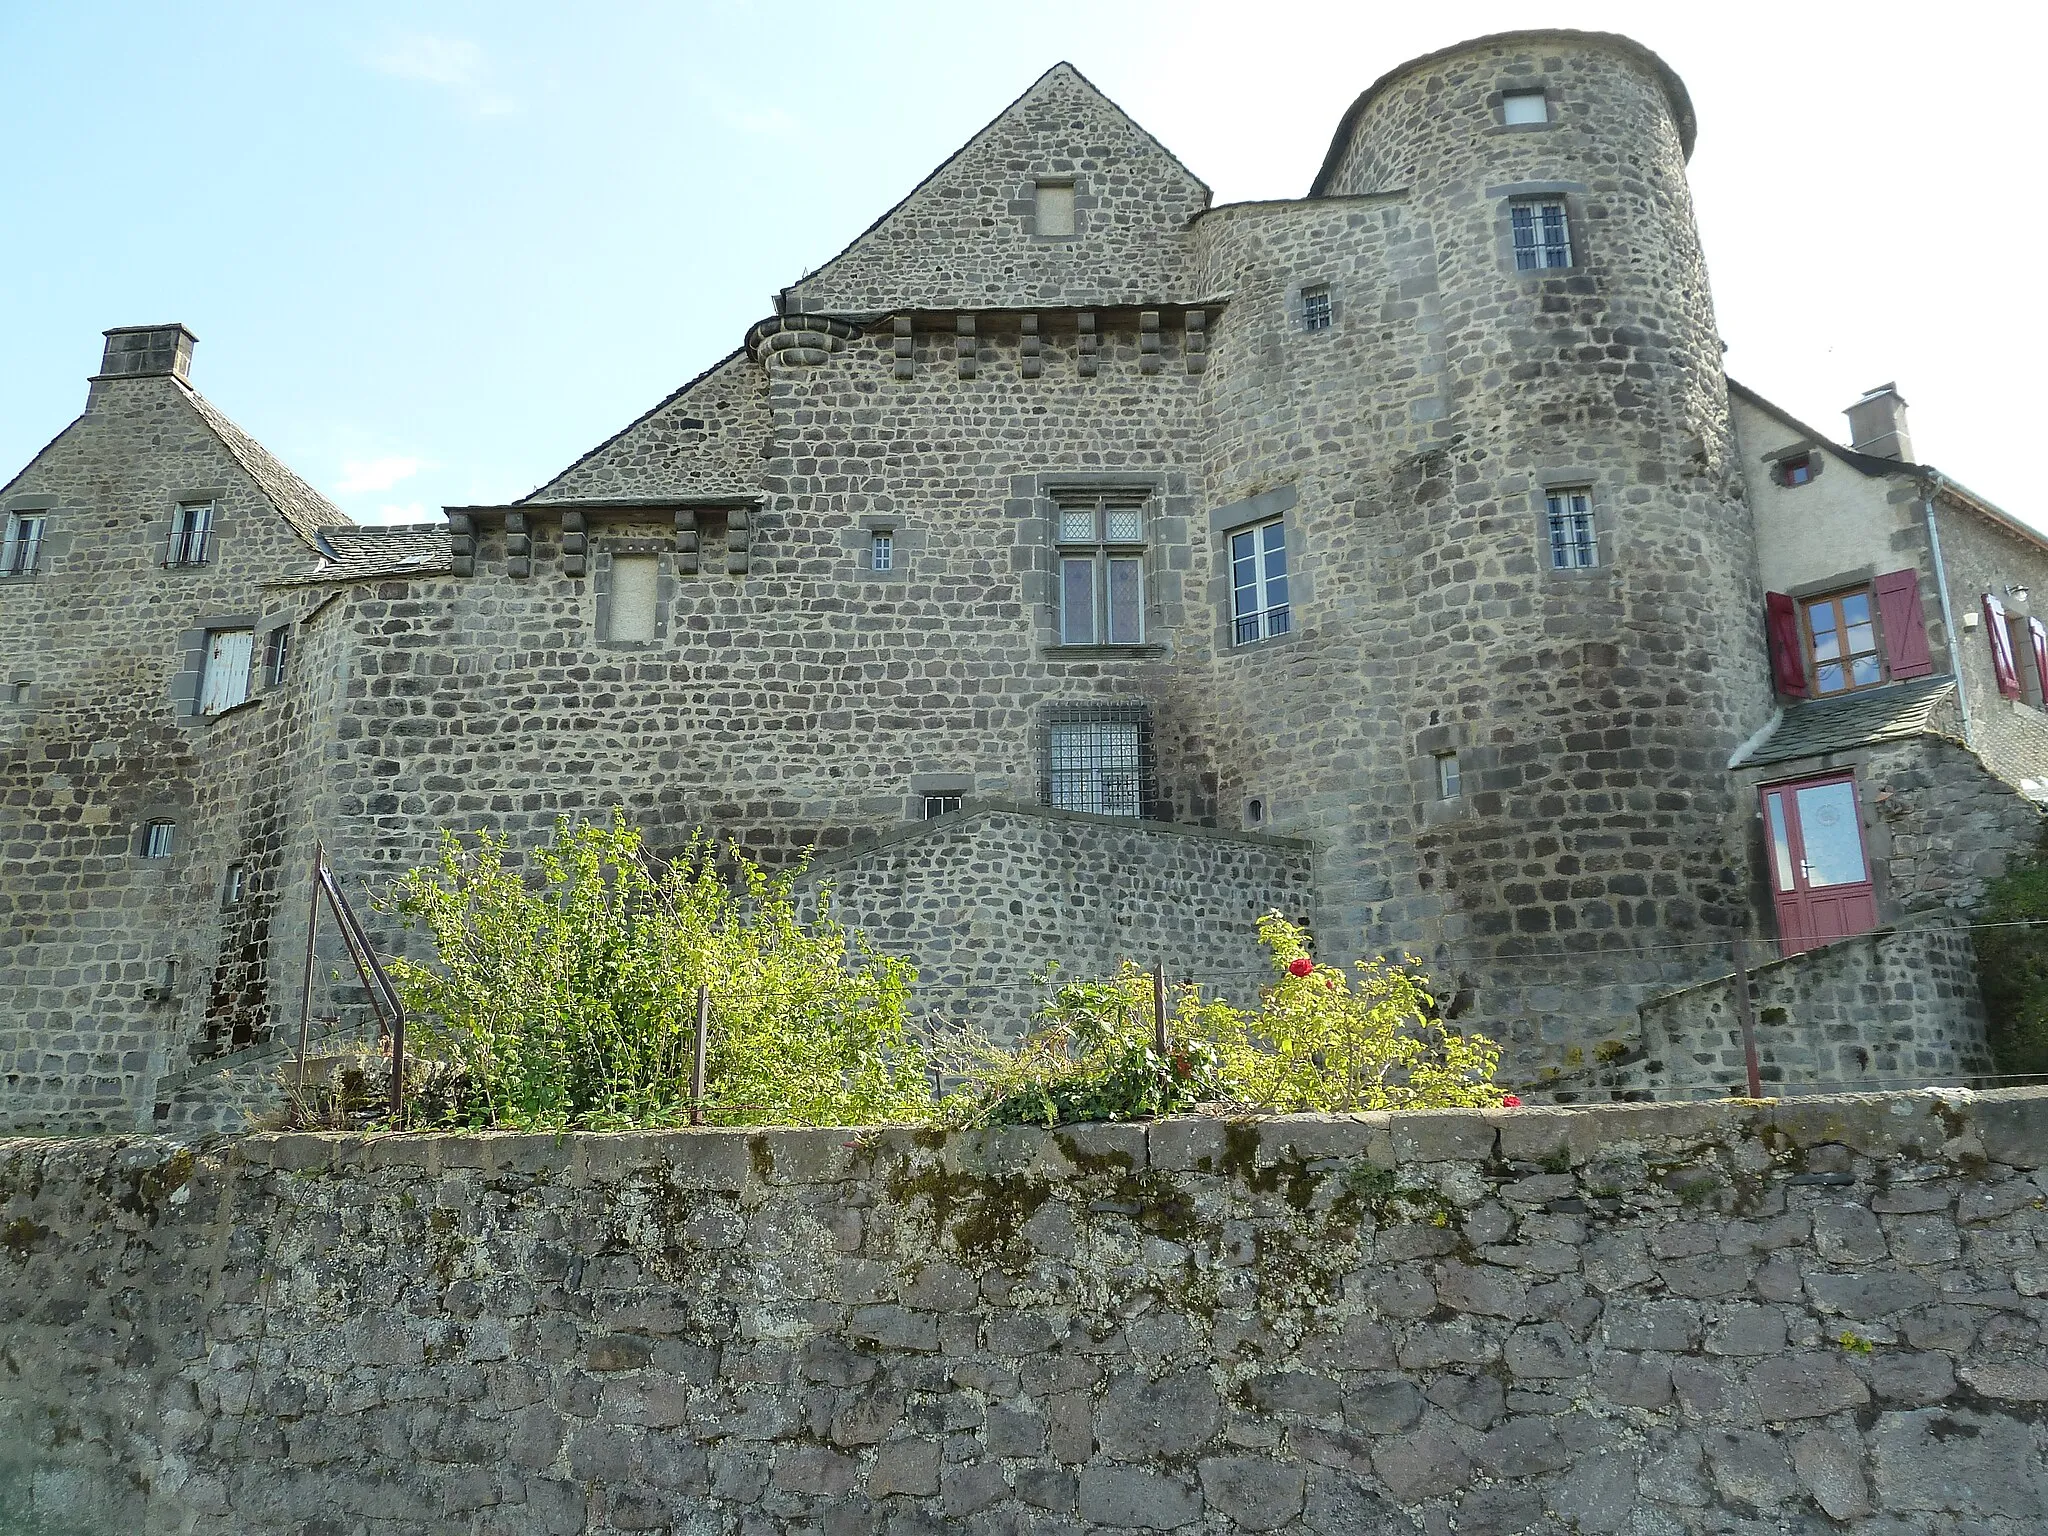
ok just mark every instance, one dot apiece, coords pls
pixel 1788 658
pixel 2002 666
pixel 1904 625
pixel 2037 634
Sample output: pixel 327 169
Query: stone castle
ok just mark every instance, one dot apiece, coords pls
pixel 1075 570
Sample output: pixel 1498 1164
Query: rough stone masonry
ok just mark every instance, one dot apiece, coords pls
pixel 1816 1315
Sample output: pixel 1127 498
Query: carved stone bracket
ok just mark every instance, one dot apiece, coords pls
pixel 798 341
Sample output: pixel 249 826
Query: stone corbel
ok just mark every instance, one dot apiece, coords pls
pixel 461 544
pixel 518 545
pixel 686 542
pixel 575 543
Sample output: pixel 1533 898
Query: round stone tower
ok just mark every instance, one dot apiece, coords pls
pixel 1551 620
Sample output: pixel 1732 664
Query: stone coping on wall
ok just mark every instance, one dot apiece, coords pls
pixel 978 806
pixel 1906 927
pixel 2008 1126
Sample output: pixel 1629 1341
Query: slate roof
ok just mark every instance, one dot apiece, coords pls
pixel 400 549
pixel 302 507
pixel 1859 719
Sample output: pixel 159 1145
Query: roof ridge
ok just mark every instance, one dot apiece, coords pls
pixel 302 508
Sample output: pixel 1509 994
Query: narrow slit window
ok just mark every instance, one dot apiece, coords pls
pixel 1448 784
pixel 191 534
pixel 1569 516
pixel 232 887
pixel 1258 583
pixel 1518 107
pixel 1055 208
pixel 158 839
pixel 22 548
pixel 1542 234
pixel 882 551
pixel 277 657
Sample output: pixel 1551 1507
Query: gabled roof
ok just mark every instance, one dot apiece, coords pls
pixel 304 509
pixel 1870 464
pixel 1860 719
pixel 870 275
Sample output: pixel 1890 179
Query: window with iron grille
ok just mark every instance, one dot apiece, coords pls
pixel 941 805
pixel 1098 760
pixel 1542 233
pixel 1101 541
pixel 21 549
pixel 1315 309
pixel 191 534
pixel 277 656
pixel 158 838
pixel 1258 583
pixel 1572 544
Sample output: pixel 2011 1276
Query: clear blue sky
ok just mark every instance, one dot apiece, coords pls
pixel 435 252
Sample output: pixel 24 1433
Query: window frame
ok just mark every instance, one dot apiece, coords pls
pixel 1809 650
pixel 1318 308
pixel 1102 553
pixel 937 803
pixel 1450 780
pixel 158 839
pixel 1141 791
pixel 191 545
pixel 1536 93
pixel 277 648
pixel 1537 203
pixel 234 885
pixel 1585 538
pixel 13 567
pixel 244 692
pixel 1263 614
pixel 1072 187
pixel 881 550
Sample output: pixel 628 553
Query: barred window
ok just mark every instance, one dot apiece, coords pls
pixel 1101 542
pixel 191 534
pixel 1258 583
pixel 1542 233
pixel 22 549
pixel 1572 545
pixel 1098 760
pixel 1315 309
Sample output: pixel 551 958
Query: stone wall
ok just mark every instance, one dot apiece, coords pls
pixel 987 899
pixel 1659 1318
pixel 1984 556
pixel 1888 1009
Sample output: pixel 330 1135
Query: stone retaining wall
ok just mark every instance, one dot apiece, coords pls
pixel 1660 1318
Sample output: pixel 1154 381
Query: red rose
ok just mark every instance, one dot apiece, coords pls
pixel 1510 1101
pixel 1301 965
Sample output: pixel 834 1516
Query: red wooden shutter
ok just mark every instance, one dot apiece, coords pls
pixel 2038 633
pixel 1905 628
pixel 2002 666
pixel 1788 660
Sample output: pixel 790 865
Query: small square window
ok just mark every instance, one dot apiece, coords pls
pixel 21 550
pixel 1542 233
pixel 1524 107
pixel 232 888
pixel 1448 786
pixel 158 838
pixel 1797 471
pixel 1569 515
pixel 1055 208
pixel 941 805
pixel 191 534
pixel 881 551
pixel 1315 309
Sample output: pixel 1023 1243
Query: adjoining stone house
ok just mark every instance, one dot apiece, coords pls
pixel 1077 570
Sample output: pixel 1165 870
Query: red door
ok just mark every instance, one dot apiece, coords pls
pixel 1819 874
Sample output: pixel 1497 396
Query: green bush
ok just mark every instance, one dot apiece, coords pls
pixel 2012 966
pixel 572 1003
pixel 1320 1040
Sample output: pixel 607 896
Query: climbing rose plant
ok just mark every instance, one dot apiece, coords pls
pixel 569 999
pixel 1321 1039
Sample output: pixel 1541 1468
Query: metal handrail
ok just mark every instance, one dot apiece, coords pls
pixel 383 996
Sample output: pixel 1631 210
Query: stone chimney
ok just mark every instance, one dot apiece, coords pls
pixel 136 350
pixel 1877 425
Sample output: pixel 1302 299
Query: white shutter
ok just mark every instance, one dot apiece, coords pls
pixel 226 682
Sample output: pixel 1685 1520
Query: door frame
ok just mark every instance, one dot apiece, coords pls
pixel 1790 943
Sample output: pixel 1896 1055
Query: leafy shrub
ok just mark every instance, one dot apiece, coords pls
pixel 2012 966
pixel 1320 1040
pixel 573 1003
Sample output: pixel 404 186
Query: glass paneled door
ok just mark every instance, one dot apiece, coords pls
pixel 1820 877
